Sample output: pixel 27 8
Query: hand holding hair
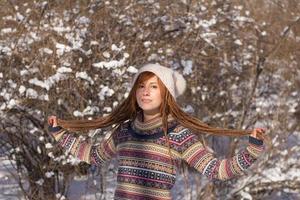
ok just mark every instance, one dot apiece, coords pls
pixel 258 133
pixel 52 121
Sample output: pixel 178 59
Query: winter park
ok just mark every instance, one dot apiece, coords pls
pixel 233 65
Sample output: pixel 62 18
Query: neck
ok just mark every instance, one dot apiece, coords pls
pixel 150 116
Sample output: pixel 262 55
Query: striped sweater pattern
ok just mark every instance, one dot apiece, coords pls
pixel 147 160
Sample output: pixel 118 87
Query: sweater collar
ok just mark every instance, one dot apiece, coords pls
pixel 150 127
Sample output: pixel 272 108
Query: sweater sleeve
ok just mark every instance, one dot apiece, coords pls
pixel 83 149
pixel 197 156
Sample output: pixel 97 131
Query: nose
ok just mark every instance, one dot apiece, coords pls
pixel 146 91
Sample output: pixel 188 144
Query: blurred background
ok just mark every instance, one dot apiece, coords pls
pixel 76 59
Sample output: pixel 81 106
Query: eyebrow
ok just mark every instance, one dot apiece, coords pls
pixel 151 83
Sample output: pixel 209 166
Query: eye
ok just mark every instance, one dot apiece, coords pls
pixel 140 86
pixel 154 86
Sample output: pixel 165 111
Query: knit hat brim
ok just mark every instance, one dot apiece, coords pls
pixel 174 81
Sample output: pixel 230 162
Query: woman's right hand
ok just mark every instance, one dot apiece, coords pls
pixel 52 121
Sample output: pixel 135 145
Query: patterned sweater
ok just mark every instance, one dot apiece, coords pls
pixel 145 168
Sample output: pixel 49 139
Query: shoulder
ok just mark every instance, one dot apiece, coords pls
pixel 122 128
pixel 180 130
pixel 182 134
pixel 117 132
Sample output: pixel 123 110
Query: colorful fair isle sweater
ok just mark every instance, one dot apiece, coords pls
pixel 145 168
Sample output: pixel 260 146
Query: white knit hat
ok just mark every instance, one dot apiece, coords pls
pixel 173 81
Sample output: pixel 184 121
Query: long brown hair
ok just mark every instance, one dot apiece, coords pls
pixel 129 108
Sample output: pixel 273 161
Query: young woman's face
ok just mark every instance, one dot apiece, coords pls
pixel 148 95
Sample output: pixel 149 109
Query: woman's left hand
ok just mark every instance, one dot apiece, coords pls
pixel 258 133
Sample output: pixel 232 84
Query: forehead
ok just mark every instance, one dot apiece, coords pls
pixel 152 79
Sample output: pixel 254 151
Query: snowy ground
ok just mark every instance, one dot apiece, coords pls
pixel 9 189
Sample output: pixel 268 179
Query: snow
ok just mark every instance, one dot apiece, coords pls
pixel 188 65
pixel 47 51
pixel 84 20
pixel 8 186
pixel 189 109
pixel 60 196
pixel 107 109
pixel 48 146
pixel 50 82
pixel 153 57
pixel 114 47
pixel 169 52
pixel 62 70
pixel 115 103
pixel 203 8
pixel 243 19
pixel 37 82
pixel 126 55
pixel 110 64
pixel 207 23
pixel 208 37
pixel 31 93
pixel 246 195
pixel 40 181
pixel 11 103
pixel 5 50
pixel 39 150
pixel 62 48
pixel 106 54
pixel 7 30
pixel 84 76
pixel 51 155
pixel 49 174
pixel 238 42
pixel 147 44
pixel 4 93
pixel 132 70
pixel 90 110
pixel 94 43
pixel 19 16
pixel 77 113
pixel 12 84
pixel 22 89
pixel 105 92
pixel 126 94
pixel 3 106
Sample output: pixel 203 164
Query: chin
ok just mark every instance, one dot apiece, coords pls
pixel 150 110
pixel 147 109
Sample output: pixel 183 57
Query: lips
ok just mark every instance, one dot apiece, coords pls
pixel 146 100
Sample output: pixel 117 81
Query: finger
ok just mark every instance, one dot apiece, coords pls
pixel 52 121
pixel 261 130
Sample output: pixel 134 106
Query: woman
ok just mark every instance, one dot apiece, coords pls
pixel 152 135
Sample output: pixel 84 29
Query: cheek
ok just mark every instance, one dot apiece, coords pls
pixel 137 96
pixel 158 97
pixel 137 93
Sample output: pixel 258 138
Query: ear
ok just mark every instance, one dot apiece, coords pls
pixel 180 83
